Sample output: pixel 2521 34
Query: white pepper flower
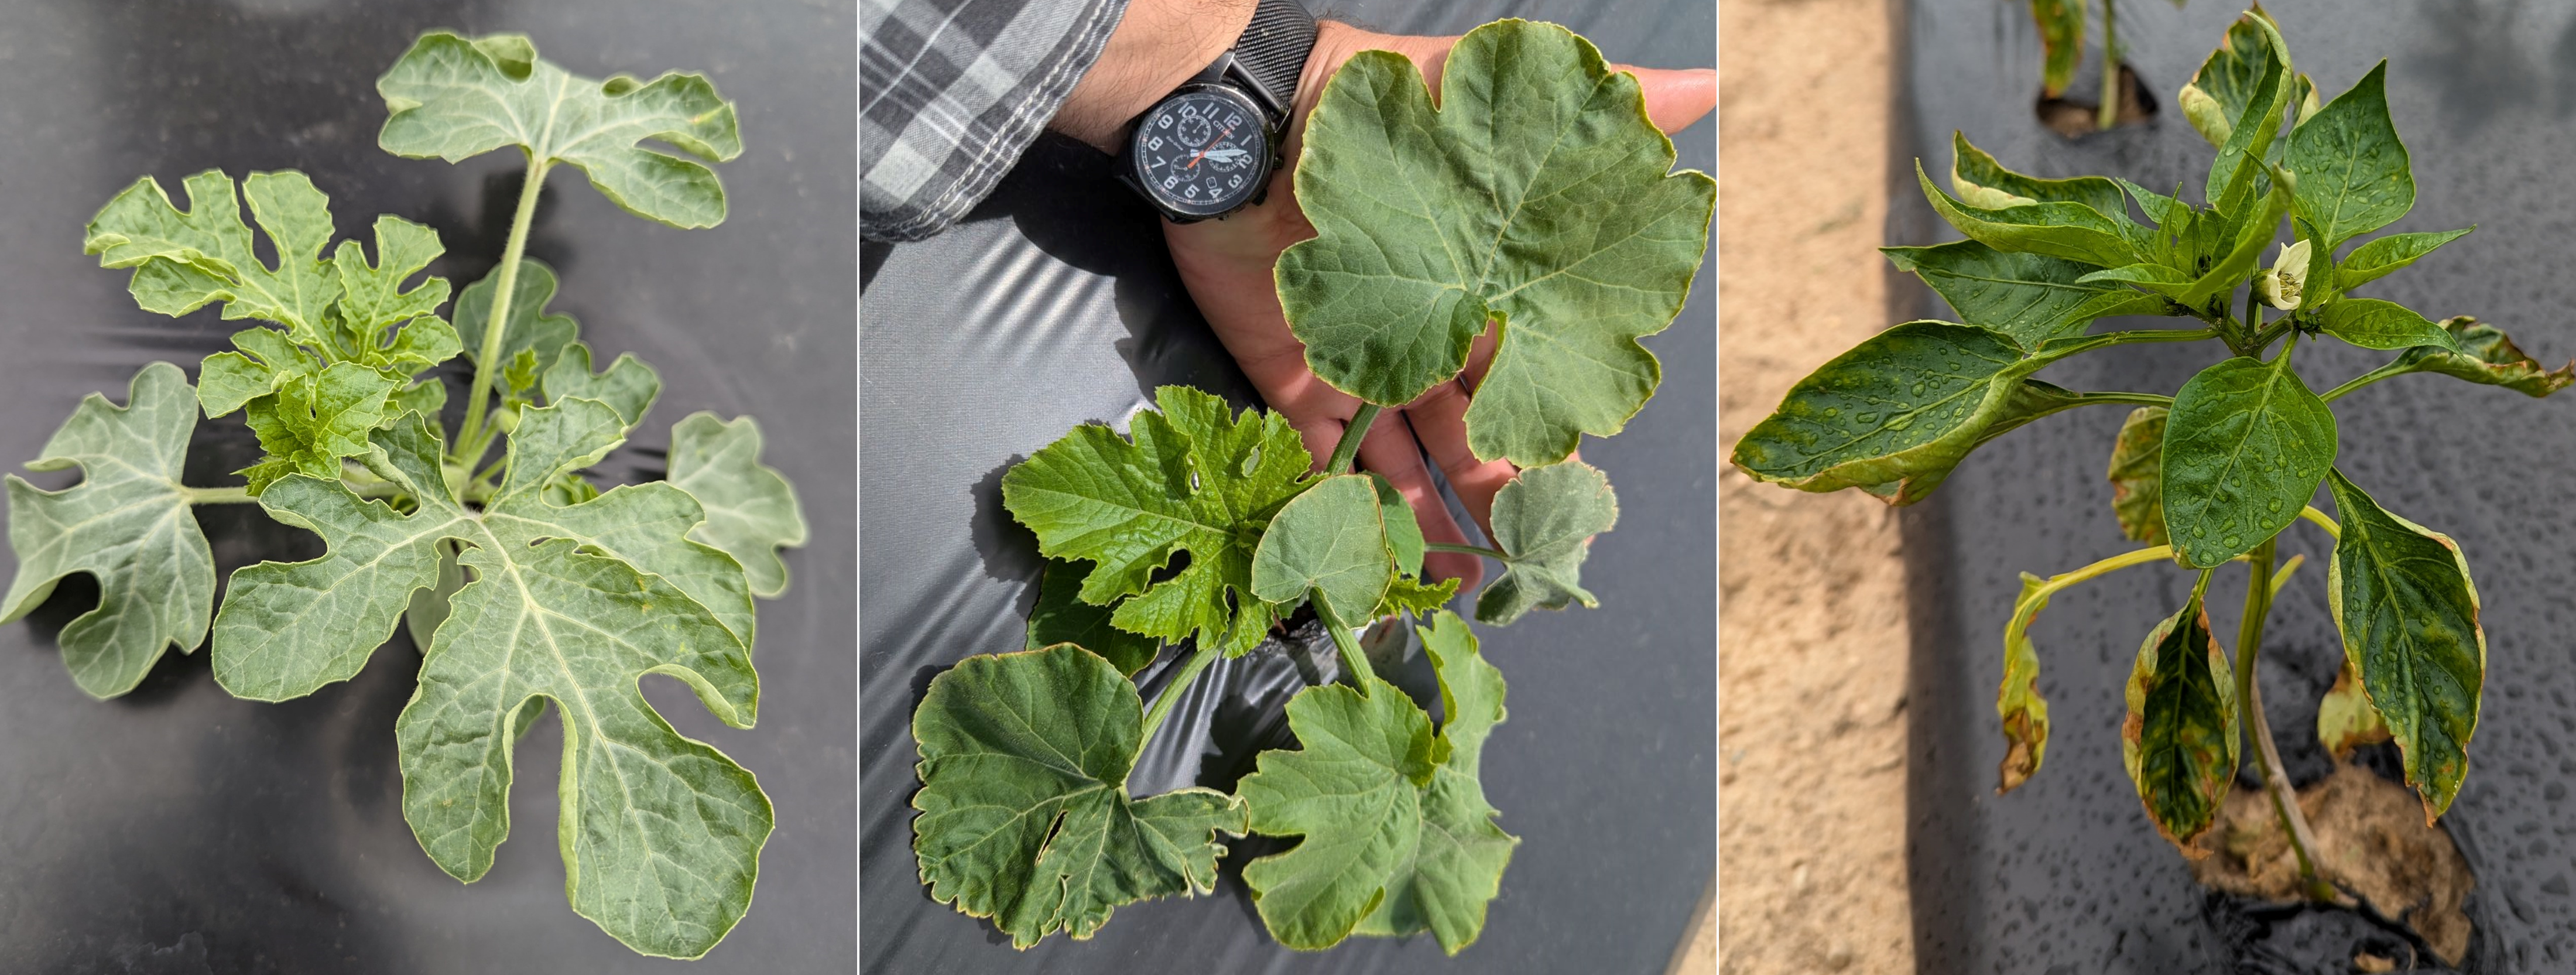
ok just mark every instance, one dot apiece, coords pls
pixel 2281 285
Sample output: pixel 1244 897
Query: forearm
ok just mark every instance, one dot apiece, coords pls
pixel 1158 45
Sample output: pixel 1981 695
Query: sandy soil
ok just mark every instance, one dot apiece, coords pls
pixel 1811 638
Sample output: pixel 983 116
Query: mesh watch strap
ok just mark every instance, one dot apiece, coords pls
pixel 1273 49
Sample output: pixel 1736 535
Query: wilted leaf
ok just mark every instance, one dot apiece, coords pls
pixel 2353 172
pixel 2137 476
pixel 126 524
pixel 454 99
pixel 1025 816
pixel 2345 717
pixel 1971 166
pixel 2031 297
pixel 2486 356
pixel 1062 617
pixel 751 509
pixel 1331 540
pixel 1544 520
pixel 2409 614
pixel 2179 742
pixel 1537 194
pixel 569 604
pixel 1397 836
pixel 2245 447
pixel 2061 39
pixel 1194 479
pixel 2017 702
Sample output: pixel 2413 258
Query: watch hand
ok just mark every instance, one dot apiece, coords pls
pixel 1202 154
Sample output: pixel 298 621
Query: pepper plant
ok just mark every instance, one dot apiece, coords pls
pixel 1202 528
pixel 2216 472
pixel 522 580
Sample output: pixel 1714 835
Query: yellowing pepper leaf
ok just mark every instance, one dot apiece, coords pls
pixel 1537 194
pixel 1544 520
pixel 2017 701
pixel 2137 475
pixel 2061 39
pixel 2179 741
pixel 661 835
pixel 1194 479
pixel 1025 816
pixel 127 524
pixel 2345 717
pixel 2401 595
pixel 454 98
pixel 751 509
pixel 1397 836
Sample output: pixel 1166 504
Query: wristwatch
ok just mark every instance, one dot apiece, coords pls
pixel 1209 148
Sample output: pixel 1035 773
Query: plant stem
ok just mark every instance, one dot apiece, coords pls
pixel 1490 553
pixel 1348 449
pixel 2319 518
pixel 1180 682
pixel 1354 663
pixel 2249 697
pixel 2108 114
pixel 2143 399
pixel 2397 367
pixel 498 322
pixel 217 495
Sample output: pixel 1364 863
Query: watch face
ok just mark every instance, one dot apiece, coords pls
pixel 1202 152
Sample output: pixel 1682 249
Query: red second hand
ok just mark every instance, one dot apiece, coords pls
pixel 1212 143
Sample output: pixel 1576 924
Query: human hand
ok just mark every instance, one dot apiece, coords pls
pixel 1227 266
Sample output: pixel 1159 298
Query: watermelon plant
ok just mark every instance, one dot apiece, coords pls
pixel 522 580
pixel 1536 199
pixel 2216 472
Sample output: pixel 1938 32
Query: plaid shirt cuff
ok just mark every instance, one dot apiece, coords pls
pixel 953 91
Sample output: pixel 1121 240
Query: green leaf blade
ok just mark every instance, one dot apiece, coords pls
pixel 1417 247
pixel 2402 598
pixel 127 524
pixel 1062 617
pixel 1544 520
pixel 1905 405
pixel 1025 816
pixel 2031 297
pixel 751 509
pixel 2246 445
pixel 2354 176
pixel 1329 540
pixel 454 98
pixel 2379 257
pixel 2374 324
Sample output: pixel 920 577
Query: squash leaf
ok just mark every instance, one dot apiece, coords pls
pixel 1025 816
pixel 1397 835
pixel 454 98
pixel 1544 520
pixel 1194 479
pixel 1062 617
pixel 1537 195
pixel 126 524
